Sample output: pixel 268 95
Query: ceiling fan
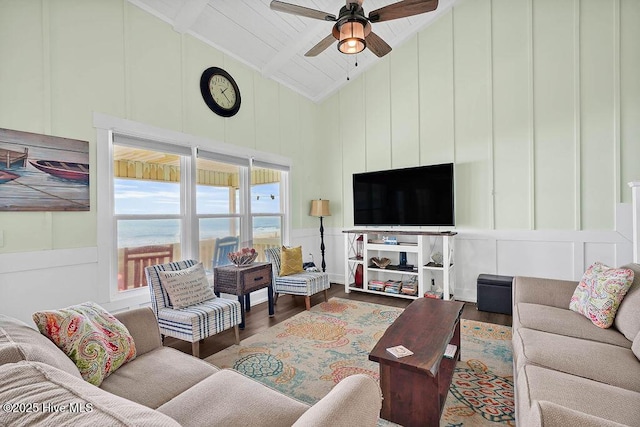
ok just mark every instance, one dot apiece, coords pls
pixel 352 28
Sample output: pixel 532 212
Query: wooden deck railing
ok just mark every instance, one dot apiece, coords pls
pixel 206 255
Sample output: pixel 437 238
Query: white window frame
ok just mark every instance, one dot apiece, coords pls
pixel 106 126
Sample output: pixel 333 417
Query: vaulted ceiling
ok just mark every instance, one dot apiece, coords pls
pixel 274 43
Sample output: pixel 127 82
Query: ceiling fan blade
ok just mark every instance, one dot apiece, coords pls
pixel 293 9
pixel 321 46
pixel 376 45
pixel 402 9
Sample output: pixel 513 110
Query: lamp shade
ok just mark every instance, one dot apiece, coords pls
pixel 352 37
pixel 320 208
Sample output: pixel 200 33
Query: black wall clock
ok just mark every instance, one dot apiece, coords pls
pixel 220 92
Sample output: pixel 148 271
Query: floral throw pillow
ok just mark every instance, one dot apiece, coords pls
pixel 97 342
pixel 600 292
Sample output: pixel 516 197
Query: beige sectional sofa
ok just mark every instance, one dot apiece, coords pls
pixel 40 385
pixel 567 371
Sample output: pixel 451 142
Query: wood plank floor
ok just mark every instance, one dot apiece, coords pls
pixel 258 320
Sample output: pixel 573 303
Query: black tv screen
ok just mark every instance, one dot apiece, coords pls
pixel 420 196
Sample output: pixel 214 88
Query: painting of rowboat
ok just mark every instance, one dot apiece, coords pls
pixel 6 176
pixel 43 173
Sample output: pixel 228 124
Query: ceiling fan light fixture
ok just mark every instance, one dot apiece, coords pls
pixel 352 37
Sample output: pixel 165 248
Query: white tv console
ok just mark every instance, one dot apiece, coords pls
pixel 418 246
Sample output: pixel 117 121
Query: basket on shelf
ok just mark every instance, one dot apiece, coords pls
pixel 244 256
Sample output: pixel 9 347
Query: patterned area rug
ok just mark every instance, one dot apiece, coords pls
pixel 305 356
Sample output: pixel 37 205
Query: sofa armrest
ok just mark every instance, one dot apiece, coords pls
pixel 551 292
pixel 356 400
pixel 143 327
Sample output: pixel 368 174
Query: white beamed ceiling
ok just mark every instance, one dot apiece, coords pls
pixel 274 43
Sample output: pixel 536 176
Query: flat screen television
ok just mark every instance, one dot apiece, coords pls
pixel 419 196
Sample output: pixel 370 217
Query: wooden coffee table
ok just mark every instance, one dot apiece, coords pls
pixel 414 388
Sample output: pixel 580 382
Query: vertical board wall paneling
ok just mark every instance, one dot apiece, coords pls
pixel 87 70
pixel 473 105
pixel 436 106
pixel 405 109
pixel 87 74
pixel 308 160
pixel 153 61
pixel 331 160
pixel 289 137
pixel 629 96
pixel 598 142
pixel 554 60
pixel 25 105
pixel 377 100
pixel 512 132
pixel 240 129
pixel 266 116
pixel 199 119
pixel 352 120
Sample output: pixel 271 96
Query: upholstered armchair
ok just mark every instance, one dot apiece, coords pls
pixel 195 322
pixel 305 283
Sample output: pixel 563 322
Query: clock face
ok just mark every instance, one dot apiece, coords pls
pixel 220 92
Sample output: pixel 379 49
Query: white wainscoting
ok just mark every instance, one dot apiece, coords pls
pixel 32 281
pixel 558 254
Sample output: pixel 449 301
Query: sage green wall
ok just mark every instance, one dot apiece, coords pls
pixel 62 60
pixel 536 101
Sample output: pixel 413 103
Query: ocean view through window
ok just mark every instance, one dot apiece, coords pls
pixel 154 218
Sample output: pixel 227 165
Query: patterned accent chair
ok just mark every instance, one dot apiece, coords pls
pixel 193 323
pixel 306 284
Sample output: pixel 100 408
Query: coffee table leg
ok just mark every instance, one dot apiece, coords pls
pixel 270 297
pixel 247 302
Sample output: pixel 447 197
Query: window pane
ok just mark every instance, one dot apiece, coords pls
pixel 142 243
pixel 217 187
pixel 133 197
pixel 267 233
pixel 213 232
pixel 265 191
pixel 145 182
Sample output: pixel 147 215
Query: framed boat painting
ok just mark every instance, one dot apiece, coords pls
pixel 43 173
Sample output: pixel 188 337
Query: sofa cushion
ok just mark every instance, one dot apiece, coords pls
pixel 609 364
pixel 97 342
pixel 156 377
pixel 600 292
pixel 291 261
pixel 628 316
pixel 534 383
pixel 636 346
pixel 564 322
pixel 36 387
pixel 186 287
pixel 230 399
pixel 18 341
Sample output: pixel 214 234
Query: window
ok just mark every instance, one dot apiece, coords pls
pixel 149 216
pixel 221 212
pixel 163 199
pixel 267 206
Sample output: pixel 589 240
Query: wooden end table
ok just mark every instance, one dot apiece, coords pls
pixel 414 388
pixel 243 280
